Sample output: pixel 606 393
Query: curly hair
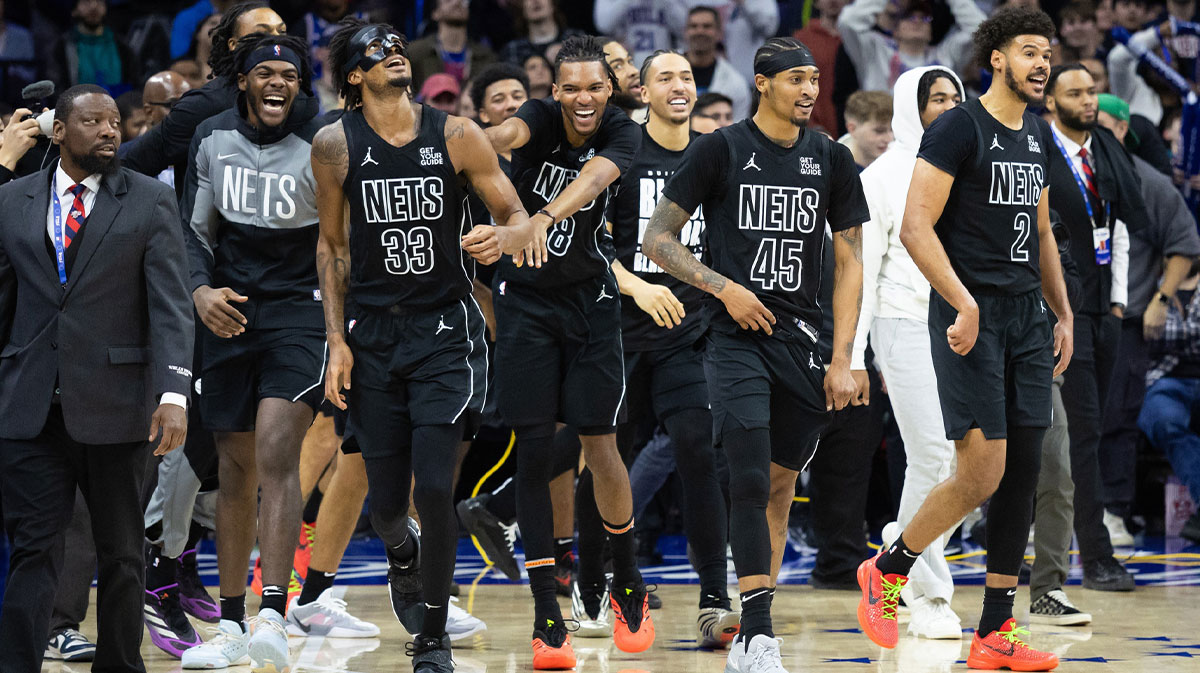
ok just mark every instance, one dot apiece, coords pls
pixel 999 29
pixel 585 49
pixel 339 45
pixel 220 59
pixel 249 43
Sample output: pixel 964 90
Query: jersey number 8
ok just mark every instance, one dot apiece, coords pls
pixel 408 250
pixel 558 239
pixel 778 264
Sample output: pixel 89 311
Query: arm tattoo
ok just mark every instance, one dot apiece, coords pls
pixel 329 148
pixel 333 271
pixel 853 237
pixel 661 243
pixel 453 133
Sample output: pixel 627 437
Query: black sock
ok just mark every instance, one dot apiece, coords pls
pixel 592 536
pixel 274 597
pixel 196 533
pixel 233 608
pixel 756 614
pixel 545 603
pixel 160 570
pixel 404 551
pixel 312 507
pixel 898 559
pixel 714 600
pixel 315 584
pixel 997 609
pixel 564 552
pixel 620 540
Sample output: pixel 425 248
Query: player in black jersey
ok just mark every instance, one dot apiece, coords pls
pixel 558 349
pixel 980 177
pixel 415 342
pixel 767 186
pixel 661 330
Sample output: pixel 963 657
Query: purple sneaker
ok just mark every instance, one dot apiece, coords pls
pixel 170 630
pixel 192 595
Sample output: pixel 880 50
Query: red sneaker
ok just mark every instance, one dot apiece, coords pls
pixel 633 628
pixel 1005 649
pixel 877 608
pixel 552 649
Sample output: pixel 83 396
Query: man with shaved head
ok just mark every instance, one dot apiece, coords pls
pixel 160 94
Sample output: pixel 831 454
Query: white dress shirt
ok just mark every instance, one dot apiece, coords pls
pixel 1119 292
pixel 62 185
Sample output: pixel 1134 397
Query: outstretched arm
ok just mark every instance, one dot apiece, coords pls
pixel 509 135
pixel 661 243
pixel 329 167
pixel 513 234
pixel 927 196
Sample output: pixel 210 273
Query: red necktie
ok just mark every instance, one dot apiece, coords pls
pixel 76 217
pixel 1089 179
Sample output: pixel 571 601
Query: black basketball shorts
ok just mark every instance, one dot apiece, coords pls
pixel 414 368
pixel 558 354
pixel 285 363
pixel 1006 378
pixel 774 382
pixel 660 383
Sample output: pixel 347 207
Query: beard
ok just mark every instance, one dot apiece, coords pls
pixel 1026 98
pixel 626 101
pixel 94 163
pixel 1074 121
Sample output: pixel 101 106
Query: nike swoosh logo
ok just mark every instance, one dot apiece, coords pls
pixel 1009 653
pixel 222 157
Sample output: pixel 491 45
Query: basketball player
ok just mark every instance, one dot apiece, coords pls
pixel 767 186
pixel 389 198
pixel 981 166
pixel 558 345
pixel 664 370
pixel 250 206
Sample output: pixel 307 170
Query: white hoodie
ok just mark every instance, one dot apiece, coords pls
pixel 893 287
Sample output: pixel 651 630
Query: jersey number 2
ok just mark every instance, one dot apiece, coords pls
pixel 408 250
pixel 1019 252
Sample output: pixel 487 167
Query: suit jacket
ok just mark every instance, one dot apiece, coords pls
pixel 117 336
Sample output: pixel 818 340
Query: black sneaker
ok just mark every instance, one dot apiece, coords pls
pixel 1054 607
pixel 404 584
pixel 1106 574
pixel 430 655
pixel 493 535
pixel 1191 528
pixel 194 598
pixel 564 573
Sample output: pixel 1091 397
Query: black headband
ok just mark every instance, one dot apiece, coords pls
pixel 362 40
pixel 271 52
pixel 799 57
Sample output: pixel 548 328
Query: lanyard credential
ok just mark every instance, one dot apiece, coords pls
pixel 59 248
pixel 1087 200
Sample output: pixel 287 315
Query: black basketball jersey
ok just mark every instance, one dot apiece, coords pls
pixel 989 225
pixel 407 216
pixel 543 167
pixel 629 212
pixel 765 209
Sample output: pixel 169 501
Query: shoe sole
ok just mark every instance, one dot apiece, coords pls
pixel 1009 665
pixel 463 635
pixel 495 553
pixel 594 630
pixel 263 652
pixel 947 635
pixel 727 629
pixel 1129 585
pixel 1061 620
pixel 336 632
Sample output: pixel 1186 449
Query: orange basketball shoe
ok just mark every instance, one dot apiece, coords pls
pixel 552 649
pixel 1005 649
pixel 877 608
pixel 633 628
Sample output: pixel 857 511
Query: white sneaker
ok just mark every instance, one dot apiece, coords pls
pixel 326 616
pixel 1118 534
pixel 762 656
pixel 268 645
pixel 227 648
pixel 589 626
pixel 737 655
pixel 933 618
pixel 460 624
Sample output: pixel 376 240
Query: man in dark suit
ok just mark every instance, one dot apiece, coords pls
pixel 96 330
